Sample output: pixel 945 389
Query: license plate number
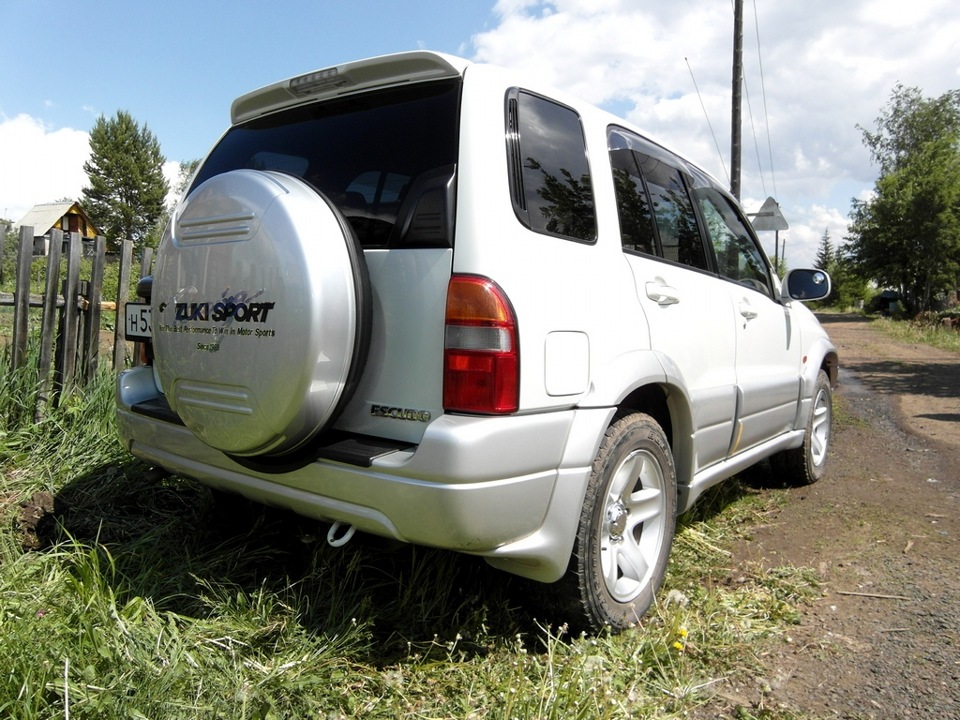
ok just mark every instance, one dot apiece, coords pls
pixel 137 321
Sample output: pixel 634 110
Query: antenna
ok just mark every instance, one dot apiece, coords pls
pixel 709 124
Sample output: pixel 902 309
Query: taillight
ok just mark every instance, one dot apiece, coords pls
pixel 481 364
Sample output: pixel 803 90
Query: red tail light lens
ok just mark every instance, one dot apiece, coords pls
pixel 481 349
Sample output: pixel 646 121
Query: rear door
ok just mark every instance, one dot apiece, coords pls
pixel 387 160
pixel 689 314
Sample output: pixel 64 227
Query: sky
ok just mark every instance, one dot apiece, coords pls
pixel 814 70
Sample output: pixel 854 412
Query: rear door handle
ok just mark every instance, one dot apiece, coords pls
pixel 661 294
pixel 747 311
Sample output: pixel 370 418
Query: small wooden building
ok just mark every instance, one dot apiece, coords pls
pixel 67 216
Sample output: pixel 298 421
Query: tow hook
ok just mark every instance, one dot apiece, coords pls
pixel 343 538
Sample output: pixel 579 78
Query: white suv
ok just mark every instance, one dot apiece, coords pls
pixel 439 302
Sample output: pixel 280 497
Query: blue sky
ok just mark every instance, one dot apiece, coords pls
pixel 176 66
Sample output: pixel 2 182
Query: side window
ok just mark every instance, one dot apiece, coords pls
pixel 673 212
pixel 637 232
pixel 549 175
pixel 738 257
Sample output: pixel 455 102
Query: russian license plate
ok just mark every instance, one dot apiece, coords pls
pixel 137 322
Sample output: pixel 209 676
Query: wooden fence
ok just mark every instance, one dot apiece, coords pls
pixel 71 310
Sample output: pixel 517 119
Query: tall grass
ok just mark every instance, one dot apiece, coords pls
pixel 925 329
pixel 151 598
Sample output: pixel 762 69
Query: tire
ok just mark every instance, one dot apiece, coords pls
pixel 806 464
pixel 262 316
pixel 626 528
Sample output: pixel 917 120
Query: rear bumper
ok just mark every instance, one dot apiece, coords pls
pixel 509 488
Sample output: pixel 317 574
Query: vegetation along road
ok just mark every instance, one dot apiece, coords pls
pixel 882 531
pixel 127 594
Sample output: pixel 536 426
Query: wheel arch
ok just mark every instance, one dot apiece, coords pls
pixel 669 405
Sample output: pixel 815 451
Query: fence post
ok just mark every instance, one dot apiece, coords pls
pixel 4 229
pixel 65 374
pixel 21 309
pixel 146 262
pixel 91 339
pixel 123 294
pixel 48 320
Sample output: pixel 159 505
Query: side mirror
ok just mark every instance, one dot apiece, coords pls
pixel 806 284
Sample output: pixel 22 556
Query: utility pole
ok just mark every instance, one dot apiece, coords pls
pixel 736 121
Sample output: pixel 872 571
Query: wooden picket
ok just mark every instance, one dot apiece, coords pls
pixel 71 313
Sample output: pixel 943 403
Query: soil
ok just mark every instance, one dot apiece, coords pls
pixel 881 530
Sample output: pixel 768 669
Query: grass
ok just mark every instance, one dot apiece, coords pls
pixel 918 331
pixel 148 597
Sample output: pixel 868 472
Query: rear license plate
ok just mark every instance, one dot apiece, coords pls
pixel 137 322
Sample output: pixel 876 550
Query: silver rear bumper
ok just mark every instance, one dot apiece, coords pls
pixel 508 488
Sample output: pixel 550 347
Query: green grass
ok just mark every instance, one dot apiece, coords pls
pixel 148 597
pixel 922 331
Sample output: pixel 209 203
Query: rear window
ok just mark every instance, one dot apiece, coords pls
pixel 378 156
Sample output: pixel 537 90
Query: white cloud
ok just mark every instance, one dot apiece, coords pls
pixel 827 67
pixel 39 164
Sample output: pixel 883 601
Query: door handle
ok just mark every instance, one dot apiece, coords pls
pixel 747 311
pixel 662 295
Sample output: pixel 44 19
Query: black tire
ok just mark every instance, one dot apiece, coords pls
pixel 806 464
pixel 626 528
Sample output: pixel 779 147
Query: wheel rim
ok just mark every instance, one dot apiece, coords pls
pixel 632 533
pixel 820 430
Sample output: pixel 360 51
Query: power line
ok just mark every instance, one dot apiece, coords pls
pixel 753 130
pixel 763 91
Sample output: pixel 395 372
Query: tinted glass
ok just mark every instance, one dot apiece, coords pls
pixel 738 257
pixel 364 152
pixel 550 176
pixel 637 232
pixel 673 212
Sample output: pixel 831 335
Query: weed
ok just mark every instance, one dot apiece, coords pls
pixel 925 330
pixel 150 596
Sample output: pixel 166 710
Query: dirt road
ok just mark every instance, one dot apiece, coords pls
pixel 882 531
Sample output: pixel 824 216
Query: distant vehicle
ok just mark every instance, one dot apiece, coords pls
pixel 440 302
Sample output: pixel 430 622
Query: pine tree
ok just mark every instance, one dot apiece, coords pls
pixel 127 190
pixel 825 254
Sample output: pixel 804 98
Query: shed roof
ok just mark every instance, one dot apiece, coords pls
pixel 44 216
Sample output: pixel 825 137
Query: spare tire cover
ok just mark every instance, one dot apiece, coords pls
pixel 259 318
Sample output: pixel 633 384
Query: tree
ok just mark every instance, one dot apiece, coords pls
pixel 185 175
pixel 907 235
pixel 127 192
pixel 825 255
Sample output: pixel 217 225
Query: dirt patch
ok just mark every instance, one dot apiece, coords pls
pixel 881 529
pixel 35 519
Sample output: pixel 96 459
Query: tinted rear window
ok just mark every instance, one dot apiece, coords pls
pixel 364 152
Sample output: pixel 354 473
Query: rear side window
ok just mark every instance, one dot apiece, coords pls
pixel 656 213
pixel 637 231
pixel 673 212
pixel 386 159
pixel 549 174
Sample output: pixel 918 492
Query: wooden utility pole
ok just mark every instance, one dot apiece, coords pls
pixel 736 121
